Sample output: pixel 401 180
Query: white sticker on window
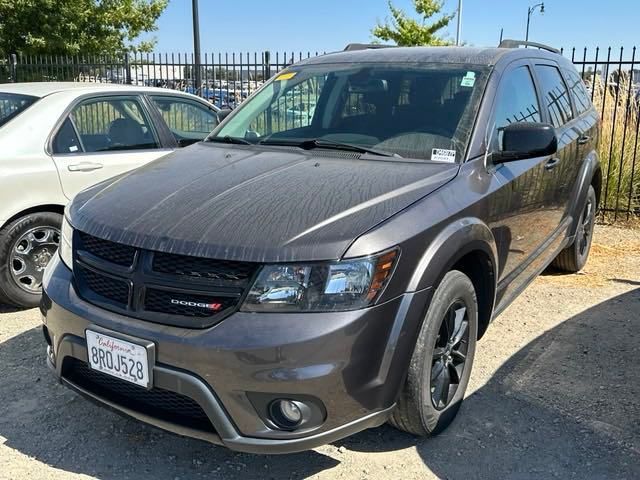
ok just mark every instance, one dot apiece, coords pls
pixel 443 155
pixel 468 80
pixel 73 148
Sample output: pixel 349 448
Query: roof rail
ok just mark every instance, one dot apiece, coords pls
pixel 365 46
pixel 521 43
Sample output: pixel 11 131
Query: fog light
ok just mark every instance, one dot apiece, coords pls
pixel 287 414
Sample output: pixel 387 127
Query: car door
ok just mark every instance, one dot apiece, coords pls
pixel 103 136
pixel 187 119
pixel 527 217
pixel 557 106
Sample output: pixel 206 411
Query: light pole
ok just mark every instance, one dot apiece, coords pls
pixel 529 12
pixel 197 78
pixel 459 30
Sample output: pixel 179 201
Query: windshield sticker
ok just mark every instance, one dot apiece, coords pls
pixel 468 80
pixel 73 148
pixel 443 155
pixel 285 76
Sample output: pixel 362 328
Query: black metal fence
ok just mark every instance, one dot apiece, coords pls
pixel 611 75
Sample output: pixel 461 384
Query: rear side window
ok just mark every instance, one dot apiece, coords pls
pixel 66 140
pixel 108 124
pixel 581 98
pixel 517 101
pixel 188 120
pixel 554 94
pixel 11 105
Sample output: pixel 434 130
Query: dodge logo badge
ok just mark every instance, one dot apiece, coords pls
pixel 207 306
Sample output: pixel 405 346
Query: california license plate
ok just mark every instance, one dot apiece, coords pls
pixel 118 358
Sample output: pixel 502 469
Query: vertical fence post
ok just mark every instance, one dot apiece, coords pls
pixel 13 67
pixel 127 69
pixel 266 72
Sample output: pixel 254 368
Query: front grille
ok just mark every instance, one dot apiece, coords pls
pixel 159 403
pixel 202 267
pixel 107 287
pixel 189 305
pixel 159 287
pixel 112 252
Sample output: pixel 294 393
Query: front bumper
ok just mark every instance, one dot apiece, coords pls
pixel 351 363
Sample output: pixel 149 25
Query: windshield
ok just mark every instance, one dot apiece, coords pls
pixel 420 111
pixel 11 105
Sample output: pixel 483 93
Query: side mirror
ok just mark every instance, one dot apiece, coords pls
pixel 526 140
pixel 222 114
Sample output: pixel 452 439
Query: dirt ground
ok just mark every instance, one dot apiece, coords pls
pixel 554 394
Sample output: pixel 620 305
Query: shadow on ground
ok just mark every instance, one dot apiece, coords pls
pixel 566 405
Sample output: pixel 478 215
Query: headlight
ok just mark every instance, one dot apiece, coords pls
pixel 321 287
pixel 65 248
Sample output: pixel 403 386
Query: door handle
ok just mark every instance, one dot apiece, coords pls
pixel 84 167
pixel 551 163
pixel 584 139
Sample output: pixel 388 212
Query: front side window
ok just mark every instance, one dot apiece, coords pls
pixel 188 120
pixel 108 124
pixel 413 111
pixel 517 101
pixel 12 105
pixel 554 94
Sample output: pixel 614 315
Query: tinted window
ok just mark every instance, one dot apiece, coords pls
pixel 554 94
pixel 66 140
pixel 415 111
pixel 117 123
pixel 517 100
pixel 581 98
pixel 188 120
pixel 11 105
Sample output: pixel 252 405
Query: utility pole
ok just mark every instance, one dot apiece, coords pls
pixel 459 30
pixel 529 12
pixel 197 77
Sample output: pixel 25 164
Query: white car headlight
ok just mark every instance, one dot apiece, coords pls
pixel 321 287
pixel 65 249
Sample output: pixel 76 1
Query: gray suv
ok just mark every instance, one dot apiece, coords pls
pixel 326 260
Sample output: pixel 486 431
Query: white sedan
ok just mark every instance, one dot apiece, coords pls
pixel 59 138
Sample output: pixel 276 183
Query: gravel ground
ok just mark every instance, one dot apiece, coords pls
pixel 554 393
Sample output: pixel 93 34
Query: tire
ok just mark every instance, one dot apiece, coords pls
pixel 416 411
pixel 26 246
pixel 573 258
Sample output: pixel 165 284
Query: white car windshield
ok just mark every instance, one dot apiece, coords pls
pixel 420 111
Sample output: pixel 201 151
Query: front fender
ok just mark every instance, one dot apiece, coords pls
pixel 453 242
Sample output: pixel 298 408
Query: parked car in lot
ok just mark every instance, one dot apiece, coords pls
pixel 58 138
pixel 285 284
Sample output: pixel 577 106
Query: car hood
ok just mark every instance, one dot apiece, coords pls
pixel 253 204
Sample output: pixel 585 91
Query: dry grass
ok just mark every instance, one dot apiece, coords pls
pixel 619 143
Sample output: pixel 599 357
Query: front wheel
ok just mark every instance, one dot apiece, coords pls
pixel 26 247
pixel 441 363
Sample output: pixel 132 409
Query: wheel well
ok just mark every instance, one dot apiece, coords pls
pixel 39 209
pixel 596 182
pixel 477 265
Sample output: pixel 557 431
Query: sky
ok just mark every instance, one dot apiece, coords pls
pixel 329 25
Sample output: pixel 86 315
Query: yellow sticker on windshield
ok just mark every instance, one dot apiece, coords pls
pixel 286 76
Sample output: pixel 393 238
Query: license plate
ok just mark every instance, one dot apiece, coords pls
pixel 118 358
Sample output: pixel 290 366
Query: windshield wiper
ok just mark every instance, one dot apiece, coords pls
pixel 320 143
pixel 230 139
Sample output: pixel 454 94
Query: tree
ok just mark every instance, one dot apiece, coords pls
pixel 69 27
pixel 408 32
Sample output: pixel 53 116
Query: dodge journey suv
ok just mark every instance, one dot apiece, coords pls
pixel 294 279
